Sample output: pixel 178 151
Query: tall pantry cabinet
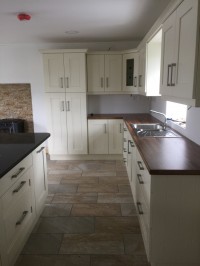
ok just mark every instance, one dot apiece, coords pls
pixel 65 86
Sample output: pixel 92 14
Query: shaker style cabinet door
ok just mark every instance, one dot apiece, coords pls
pixel 57 119
pixel 115 127
pixel 54 72
pixel 113 73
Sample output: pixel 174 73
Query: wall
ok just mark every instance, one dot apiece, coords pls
pixel 117 104
pixel 22 63
pixel 192 130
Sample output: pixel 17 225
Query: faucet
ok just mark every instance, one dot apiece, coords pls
pixel 159 113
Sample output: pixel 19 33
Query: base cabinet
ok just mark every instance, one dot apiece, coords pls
pixel 22 195
pixel 105 136
pixel 168 213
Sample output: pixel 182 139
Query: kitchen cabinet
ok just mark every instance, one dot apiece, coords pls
pixel 40 178
pixel 67 123
pixel 104 73
pixel 168 212
pixel 130 72
pixel 180 55
pixel 64 71
pixel 21 201
pixel 105 136
pixel 141 71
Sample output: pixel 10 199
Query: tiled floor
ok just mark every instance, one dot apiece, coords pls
pixel 89 218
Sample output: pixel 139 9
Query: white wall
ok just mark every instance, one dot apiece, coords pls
pixel 22 63
pixel 116 104
pixel 192 130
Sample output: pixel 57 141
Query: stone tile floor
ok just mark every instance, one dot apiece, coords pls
pixel 89 218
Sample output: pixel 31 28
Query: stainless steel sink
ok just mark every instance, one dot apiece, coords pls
pixel 153 130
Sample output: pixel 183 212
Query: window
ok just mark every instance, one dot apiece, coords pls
pixel 177 113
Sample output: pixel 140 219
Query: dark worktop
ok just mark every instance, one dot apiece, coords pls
pixel 15 147
pixel 162 156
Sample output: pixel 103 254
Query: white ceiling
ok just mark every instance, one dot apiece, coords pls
pixel 95 20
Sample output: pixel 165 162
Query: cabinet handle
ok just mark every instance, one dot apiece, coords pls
pixel 140 165
pixel 67 106
pixel 41 149
pixel 62 106
pixel 107 84
pixel 61 83
pixel 18 172
pixel 101 82
pixel 128 147
pixel 139 179
pixel 67 82
pixel 139 207
pixel 140 81
pixel 22 218
pixel 19 187
pixel 168 72
pixel 135 81
pixel 173 66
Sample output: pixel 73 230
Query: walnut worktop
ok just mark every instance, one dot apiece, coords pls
pixel 163 156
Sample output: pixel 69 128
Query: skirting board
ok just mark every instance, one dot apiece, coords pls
pixel 87 157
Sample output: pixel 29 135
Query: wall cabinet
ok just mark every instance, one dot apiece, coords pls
pixel 65 72
pixel 142 71
pixel 40 178
pixel 67 123
pixel 180 55
pixel 130 72
pixel 105 136
pixel 104 72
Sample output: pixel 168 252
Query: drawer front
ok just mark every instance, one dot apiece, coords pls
pixel 143 178
pixel 15 192
pixel 16 218
pixel 14 174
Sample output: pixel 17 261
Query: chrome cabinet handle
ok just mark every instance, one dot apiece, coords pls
pixel 128 146
pixel 19 187
pixel 61 83
pixel 173 66
pixel 18 172
pixel 139 179
pixel 140 165
pixel 139 207
pixel 135 81
pixel 101 80
pixel 168 75
pixel 41 149
pixel 67 82
pixel 24 214
pixel 67 106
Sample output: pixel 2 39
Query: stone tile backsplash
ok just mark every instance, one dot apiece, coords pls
pixel 16 102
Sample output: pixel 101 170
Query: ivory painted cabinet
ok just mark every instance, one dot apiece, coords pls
pixel 104 73
pixel 105 136
pixel 180 79
pixel 168 212
pixel 40 178
pixel 130 72
pixel 142 71
pixel 64 71
pixel 67 123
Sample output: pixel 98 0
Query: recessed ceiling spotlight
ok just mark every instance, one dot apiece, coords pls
pixel 71 32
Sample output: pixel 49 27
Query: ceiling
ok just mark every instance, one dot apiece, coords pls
pixel 59 21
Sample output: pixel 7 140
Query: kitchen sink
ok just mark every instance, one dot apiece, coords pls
pixel 153 130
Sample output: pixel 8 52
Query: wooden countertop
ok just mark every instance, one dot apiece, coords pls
pixel 162 156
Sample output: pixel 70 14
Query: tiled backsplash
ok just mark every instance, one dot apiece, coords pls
pixel 16 102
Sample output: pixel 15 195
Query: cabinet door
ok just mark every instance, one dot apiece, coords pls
pixel 184 67
pixel 40 177
pixel 141 71
pixel 98 136
pixel 115 127
pixel 76 123
pixel 75 72
pixel 54 72
pixel 130 72
pixel 95 71
pixel 113 72
pixel 57 119
pixel 168 43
